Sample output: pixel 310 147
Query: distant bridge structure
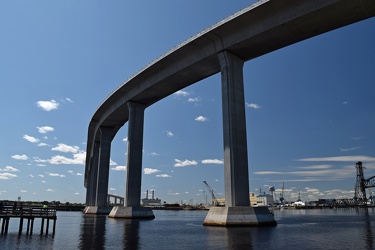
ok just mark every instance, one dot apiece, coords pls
pixel 258 29
pixel 361 185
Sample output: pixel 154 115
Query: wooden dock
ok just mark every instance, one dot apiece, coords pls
pixel 29 213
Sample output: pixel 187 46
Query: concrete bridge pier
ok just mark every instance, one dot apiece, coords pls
pixel 100 186
pixel 92 177
pixel 132 208
pixel 237 211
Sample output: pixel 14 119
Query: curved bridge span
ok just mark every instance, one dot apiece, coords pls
pixel 261 28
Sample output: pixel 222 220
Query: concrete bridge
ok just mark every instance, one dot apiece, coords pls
pixel 261 28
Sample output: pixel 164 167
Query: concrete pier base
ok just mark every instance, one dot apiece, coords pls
pixel 97 210
pixel 239 216
pixel 131 213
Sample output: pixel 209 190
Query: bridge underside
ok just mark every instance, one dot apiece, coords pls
pixel 261 28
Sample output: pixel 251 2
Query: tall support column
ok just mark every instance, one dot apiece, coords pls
pixel 92 182
pixel 92 177
pixel 234 128
pixel 132 207
pixel 237 210
pixel 103 171
pixel 134 155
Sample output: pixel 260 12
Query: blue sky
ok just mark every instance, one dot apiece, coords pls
pixel 310 107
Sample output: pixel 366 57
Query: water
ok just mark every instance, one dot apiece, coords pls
pixel 296 229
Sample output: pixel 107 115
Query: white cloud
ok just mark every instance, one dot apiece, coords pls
pixel 154 154
pixel 112 189
pixel 37 159
pixel 9 169
pixel 253 105
pixel 61 147
pixel 353 158
pixel 150 171
pixel 50 190
pixel 69 100
pixel 119 168
pixel 30 139
pixel 78 159
pixel 212 161
pixel 20 157
pixel 41 176
pixel 184 163
pixel 45 129
pixel 79 174
pixel 56 175
pixel 112 163
pixel 32 176
pixel 42 144
pixel 48 105
pixel 196 99
pixel 23 191
pixel 163 176
pixel 7 176
pixel 169 134
pixel 181 93
pixel 201 119
pixel 349 149
pixel 125 139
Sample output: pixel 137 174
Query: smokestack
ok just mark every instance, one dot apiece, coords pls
pixel 153 192
pixel 146 194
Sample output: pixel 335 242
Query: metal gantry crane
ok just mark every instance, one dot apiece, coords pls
pixel 362 184
pixel 214 201
pixel 282 195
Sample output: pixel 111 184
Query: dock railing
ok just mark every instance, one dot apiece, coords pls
pixel 28 212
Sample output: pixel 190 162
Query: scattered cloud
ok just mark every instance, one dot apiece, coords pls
pixel 201 119
pixel 9 169
pixel 195 100
pixel 30 139
pixel 79 174
pixel 212 161
pixel 184 163
pixel 23 191
pixel 349 149
pixel 154 154
pixel 163 176
pixel 119 168
pixel 150 171
pixel 7 176
pixel 125 139
pixel 48 105
pixel 50 190
pixel 253 105
pixel 78 159
pixel 69 100
pixel 20 157
pixel 45 129
pixel 169 134
pixel 56 175
pixel 181 93
pixel 344 102
pixel 42 144
pixel 61 147
pixel 353 158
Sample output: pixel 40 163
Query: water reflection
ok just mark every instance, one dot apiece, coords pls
pixel 93 232
pixel 130 234
pixel 230 238
pixel 369 234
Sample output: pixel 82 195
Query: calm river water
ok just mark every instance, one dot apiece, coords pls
pixel 296 229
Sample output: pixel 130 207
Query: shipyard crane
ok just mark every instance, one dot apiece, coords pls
pixel 214 201
pixel 282 195
pixel 362 184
